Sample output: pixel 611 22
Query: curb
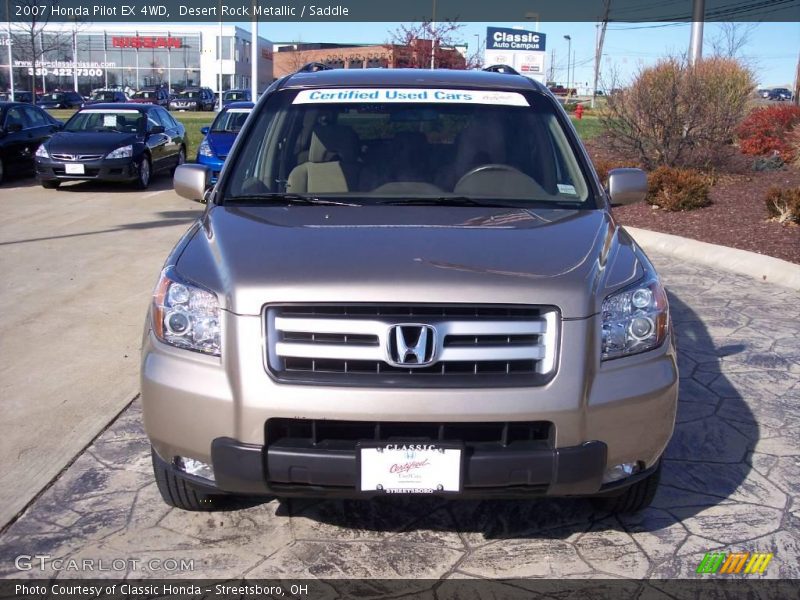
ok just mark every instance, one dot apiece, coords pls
pixel 750 264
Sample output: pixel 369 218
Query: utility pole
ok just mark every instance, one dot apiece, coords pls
pixel 598 52
pixel 696 41
pixel 254 54
pixel 569 57
pixel 552 65
pixel 433 36
pixel 796 98
pixel 10 52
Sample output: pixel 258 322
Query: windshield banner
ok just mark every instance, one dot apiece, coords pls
pixel 409 95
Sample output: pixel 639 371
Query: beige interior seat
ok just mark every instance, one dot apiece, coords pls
pixel 332 162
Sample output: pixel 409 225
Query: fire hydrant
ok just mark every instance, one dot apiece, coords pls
pixel 579 111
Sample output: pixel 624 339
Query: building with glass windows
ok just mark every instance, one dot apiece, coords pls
pixel 115 56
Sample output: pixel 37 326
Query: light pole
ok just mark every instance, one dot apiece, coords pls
pixel 478 61
pixel 569 55
pixel 696 41
pixel 10 53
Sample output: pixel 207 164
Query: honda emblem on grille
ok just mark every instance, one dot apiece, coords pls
pixel 412 345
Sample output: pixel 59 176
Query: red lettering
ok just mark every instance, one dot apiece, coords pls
pixel 146 42
pixel 406 467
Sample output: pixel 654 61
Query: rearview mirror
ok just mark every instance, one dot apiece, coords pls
pixel 627 186
pixel 191 181
pixel 205 130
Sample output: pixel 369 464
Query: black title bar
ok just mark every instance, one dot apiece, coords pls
pixel 520 11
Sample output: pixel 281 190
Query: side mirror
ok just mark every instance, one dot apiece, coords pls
pixel 156 129
pixel 14 128
pixel 205 130
pixel 627 186
pixel 191 181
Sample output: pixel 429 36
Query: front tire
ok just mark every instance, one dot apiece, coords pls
pixel 633 498
pixel 181 493
pixel 51 185
pixel 180 161
pixel 144 169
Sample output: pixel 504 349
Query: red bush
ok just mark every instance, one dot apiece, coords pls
pixel 765 131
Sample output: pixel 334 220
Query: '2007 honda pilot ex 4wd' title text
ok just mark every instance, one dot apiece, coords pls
pixel 408 282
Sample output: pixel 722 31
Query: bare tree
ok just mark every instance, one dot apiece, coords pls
pixel 440 34
pixel 30 39
pixel 731 38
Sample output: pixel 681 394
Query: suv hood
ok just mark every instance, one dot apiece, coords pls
pixel 252 256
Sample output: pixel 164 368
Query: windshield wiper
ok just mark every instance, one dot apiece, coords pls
pixel 520 203
pixel 284 198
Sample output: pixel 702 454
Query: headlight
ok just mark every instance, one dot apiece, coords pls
pixel 634 319
pixel 41 152
pixel 123 152
pixel 205 149
pixel 184 315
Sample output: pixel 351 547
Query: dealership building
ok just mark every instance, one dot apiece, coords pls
pixel 110 55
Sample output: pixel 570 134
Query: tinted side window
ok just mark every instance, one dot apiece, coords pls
pixel 35 117
pixel 15 116
pixel 153 119
pixel 165 118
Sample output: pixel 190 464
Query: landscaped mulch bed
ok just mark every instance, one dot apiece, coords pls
pixel 737 217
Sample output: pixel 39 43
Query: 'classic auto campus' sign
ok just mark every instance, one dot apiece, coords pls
pixel 523 50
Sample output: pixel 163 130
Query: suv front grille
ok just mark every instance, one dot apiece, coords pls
pixel 465 345
pixel 343 435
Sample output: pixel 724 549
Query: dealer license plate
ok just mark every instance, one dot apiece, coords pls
pixel 410 468
pixel 73 169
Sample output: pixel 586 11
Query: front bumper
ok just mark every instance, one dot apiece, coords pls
pixel 118 169
pixel 216 410
pixel 213 163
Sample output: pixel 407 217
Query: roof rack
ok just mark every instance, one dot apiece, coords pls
pixel 313 67
pixel 505 69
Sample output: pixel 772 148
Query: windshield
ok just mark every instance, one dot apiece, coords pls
pixel 193 94
pixel 230 121
pixel 145 95
pixel 103 96
pixel 234 96
pixel 119 121
pixel 398 144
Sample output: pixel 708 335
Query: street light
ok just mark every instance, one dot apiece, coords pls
pixel 569 54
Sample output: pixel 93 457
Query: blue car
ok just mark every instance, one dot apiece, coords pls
pixel 219 137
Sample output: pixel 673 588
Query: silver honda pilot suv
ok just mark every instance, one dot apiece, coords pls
pixel 408 282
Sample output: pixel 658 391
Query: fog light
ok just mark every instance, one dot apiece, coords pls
pixel 194 467
pixel 622 471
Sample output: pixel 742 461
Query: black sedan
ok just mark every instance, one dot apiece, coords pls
pixel 23 127
pixel 113 142
pixel 60 100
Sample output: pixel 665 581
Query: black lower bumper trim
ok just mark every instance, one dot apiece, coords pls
pixel 516 470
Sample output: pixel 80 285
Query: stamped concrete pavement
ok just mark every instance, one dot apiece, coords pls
pixel 731 483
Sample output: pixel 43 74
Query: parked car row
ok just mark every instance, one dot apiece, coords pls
pixel 125 142
pixel 191 98
pixel 776 94
pixel 109 141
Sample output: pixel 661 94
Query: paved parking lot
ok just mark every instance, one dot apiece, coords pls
pixel 78 266
pixel 731 480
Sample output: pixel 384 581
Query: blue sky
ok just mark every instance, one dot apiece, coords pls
pixel 771 50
